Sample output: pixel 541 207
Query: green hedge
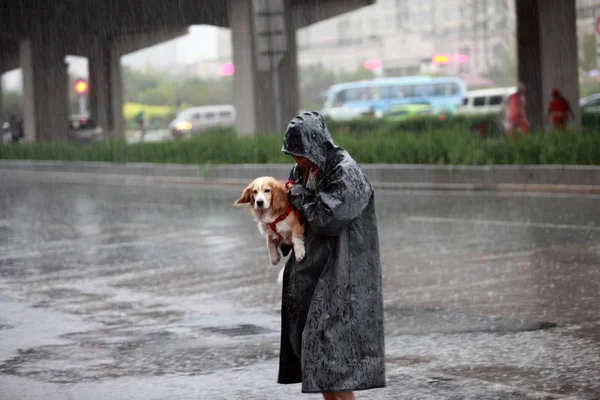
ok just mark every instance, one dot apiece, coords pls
pixel 381 145
pixel 484 125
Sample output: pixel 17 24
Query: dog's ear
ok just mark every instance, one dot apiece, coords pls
pixel 245 198
pixel 279 198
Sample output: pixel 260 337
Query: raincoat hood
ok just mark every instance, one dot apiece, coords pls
pixel 307 136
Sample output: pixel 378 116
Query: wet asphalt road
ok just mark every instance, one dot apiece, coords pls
pixel 115 292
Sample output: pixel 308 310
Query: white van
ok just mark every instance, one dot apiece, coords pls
pixel 485 101
pixel 195 120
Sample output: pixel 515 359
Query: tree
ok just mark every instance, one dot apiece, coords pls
pixel 162 95
pixel 156 88
pixel 505 72
pixel 136 82
pixel 12 101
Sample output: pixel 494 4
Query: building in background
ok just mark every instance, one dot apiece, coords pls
pixel 587 11
pixel 468 36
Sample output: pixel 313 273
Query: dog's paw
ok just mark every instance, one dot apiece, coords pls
pixel 300 253
pixel 274 259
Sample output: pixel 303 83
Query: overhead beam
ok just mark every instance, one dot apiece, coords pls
pixel 310 12
pixel 126 43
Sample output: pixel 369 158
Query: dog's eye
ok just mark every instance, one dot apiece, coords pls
pixel 267 190
pixel 255 191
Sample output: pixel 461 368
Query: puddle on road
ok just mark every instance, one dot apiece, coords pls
pixel 145 351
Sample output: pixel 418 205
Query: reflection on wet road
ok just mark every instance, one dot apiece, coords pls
pixel 166 293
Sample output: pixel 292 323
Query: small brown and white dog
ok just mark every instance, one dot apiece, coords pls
pixel 267 199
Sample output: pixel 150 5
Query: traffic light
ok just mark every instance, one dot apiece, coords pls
pixel 81 86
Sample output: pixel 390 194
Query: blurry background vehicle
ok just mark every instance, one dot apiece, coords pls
pixel 484 101
pixel 350 100
pixel 590 103
pixel 195 120
pixel 84 130
pixel 6 135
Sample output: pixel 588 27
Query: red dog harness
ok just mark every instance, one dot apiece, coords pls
pixel 273 225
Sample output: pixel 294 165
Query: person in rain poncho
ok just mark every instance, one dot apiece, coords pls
pixel 332 305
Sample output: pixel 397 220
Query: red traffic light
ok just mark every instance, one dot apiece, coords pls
pixel 81 86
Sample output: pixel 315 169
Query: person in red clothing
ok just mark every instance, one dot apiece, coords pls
pixel 559 110
pixel 515 113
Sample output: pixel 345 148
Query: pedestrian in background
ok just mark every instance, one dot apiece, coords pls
pixel 514 112
pixel 559 111
pixel 15 128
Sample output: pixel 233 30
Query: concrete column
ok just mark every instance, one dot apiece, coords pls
pixel 106 87
pixel 254 89
pixel 547 50
pixel 45 86
pixel 2 114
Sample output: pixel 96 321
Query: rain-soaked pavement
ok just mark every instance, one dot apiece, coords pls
pixel 115 292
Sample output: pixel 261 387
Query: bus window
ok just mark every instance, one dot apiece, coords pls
pixel 423 90
pixel 225 114
pixel 390 92
pixel 375 93
pixel 445 89
pixel 352 94
pixel 361 94
pixel 209 115
pixel 357 94
pixel 406 91
pixel 340 99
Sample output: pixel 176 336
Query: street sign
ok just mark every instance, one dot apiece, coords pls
pixel 271 44
pixel 269 30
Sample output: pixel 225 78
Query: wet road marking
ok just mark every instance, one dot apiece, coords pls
pixel 504 223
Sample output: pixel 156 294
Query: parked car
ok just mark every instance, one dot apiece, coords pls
pixel 484 101
pixel 84 130
pixel 590 103
pixel 196 120
pixel 6 135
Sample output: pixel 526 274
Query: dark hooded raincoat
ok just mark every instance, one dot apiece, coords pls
pixel 332 308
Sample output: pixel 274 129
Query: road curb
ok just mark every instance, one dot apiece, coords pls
pixel 549 179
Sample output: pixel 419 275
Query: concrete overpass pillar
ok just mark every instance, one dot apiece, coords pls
pixel 254 88
pixel 106 88
pixel 45 88
pixel 2 113
pixel 547 52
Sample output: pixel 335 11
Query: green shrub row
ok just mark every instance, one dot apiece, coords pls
pixel 382 145
pixel 484 125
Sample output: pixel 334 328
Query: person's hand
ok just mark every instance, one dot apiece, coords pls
pixel 289 184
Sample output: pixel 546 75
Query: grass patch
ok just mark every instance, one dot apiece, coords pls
pixel 130 111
